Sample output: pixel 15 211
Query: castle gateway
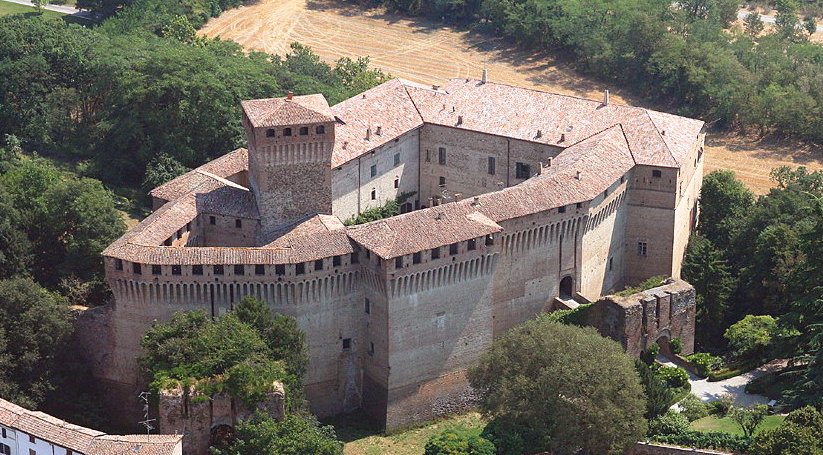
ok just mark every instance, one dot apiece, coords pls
pixel 514 201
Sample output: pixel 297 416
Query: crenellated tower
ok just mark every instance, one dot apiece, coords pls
pixel 290 145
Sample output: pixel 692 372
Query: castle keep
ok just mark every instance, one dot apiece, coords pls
pixel 520 202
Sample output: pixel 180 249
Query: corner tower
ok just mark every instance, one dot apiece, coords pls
pixel 290 145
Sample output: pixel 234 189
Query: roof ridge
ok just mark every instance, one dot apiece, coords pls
pixel 665 144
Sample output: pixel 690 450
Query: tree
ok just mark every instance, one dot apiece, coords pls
pixel 749 418
pixel 787 22
pixel 707 270
pixel 295 435
pixel 15 249
pixel 754 24
pixel 724 202
pixel 659 396
pixel 799 434
pixel 280 332
pixel 451 442
pixel 161 169
pixel 39 4
pixel 569 387
pixel 34 326
pixel 751 336
pixel 810 24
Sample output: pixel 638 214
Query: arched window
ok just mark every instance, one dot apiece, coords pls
pixel 320 129
pixel 270 132
pixel 286 131
pixel 304 130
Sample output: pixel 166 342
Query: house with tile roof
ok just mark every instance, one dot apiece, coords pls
pixel 515 202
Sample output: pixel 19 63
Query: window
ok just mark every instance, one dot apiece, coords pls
pixel 416 258
pixel 32 451
pixel 368 306
pixel 167 242
pixel 218 270
pixel 176 270
pixel 318 264
pixel 212 220
pixel 622 179
pixel 304 130
pixel 118 265
pixel 238 223
pixel 656 173
pixel 373 170
pixel 368 254
pixel 3 433
pixel 259 269
pixel 300 268
pixel 355 258
pixel 441 156
pixel 4 449
pixel 442 181
pixel 472 244
pixel 452 249
pixel 31 439
pixel 611 263
pixel 579 205
pixel 397 159
pixel 336 261
pixel 561 209
pixel 197 270
pixel 137 269
pixel 286 131
pixel 371 348
pixel 188 226
pixel 239 269
pixel 320 129
pixel 398 262
pixel 605 193
pixel 435 253
pixel 492 165
pixel 642 247
pixel 156 270
pixel 69 452
pixel 489 240
pixel 346 344
pixel 397 183
pixel 522 171
pixel 428 156
pixel 373 194
pixel 280 269
pixel 270 132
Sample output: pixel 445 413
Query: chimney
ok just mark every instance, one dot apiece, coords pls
pixel 435 87
pixel 476 202
pixel 578 175
pixel 368 134
pixel 379 130
pixel 459 119
pixel 663 133
pixel 549 162
pixel 289 95
pixel 606 98
pixel 562 137
pixel 485 77
pixel 539 134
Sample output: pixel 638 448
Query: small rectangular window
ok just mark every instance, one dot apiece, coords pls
pixel 188 227
pixel 118 265
pixel 176 270
pixel 398 262
pixel 522 171
pixel 442 181
pixel 156 270
pixel 472 244
pixel 416 258
pixel 561 209
pixel 336 261
pixel 489 240
pixel 492 165
pixel 280 269
pixel 318 264
pixel 212 220
pixel 300 268
pixel 239 269
pixel 579 205
pixel 441 156
pixel 197 270
pixel 642 248
pixel 218 270
pixel 32 439
pixel 286 131
pixel 259 269
pixel 452 249
pixel 69 452
pixel 611 263
pixel 3 432
pixel 32 451
pixel 373 170
pixel 355 258
pixel 656 173
pixel 397 159
pixel 346 344
pixel 428 156
pixel 270 133
pixel 435 253
pixel 397 183
pixel 304 130
pixel 368 306
pixel 373 194
pixel 238 223
pixel 137 269
pixel 371 348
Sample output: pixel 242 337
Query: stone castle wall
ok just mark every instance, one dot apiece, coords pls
pixel 645 448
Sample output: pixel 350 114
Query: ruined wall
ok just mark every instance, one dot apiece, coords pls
pixel 640 320
pixel 646 448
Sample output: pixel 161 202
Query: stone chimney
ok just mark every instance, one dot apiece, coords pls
pixel 379 130
pixel 476 201
pixel 368 134
pixel 289 95
pixel 606 98
pixel 578 176
pixel 485 77
pixel 562 137
pixel 459 119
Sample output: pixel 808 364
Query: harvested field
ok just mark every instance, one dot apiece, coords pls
pixel 429 52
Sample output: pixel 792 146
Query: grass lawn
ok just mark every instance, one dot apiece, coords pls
pixel 727 425
pixel 361 439
pixel 7 8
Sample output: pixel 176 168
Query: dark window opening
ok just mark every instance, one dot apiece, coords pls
pixel 238 223
pixel 561 209
pixel 32 439
pixel 441 156
pixel 118 265
pixel 452 249
pixel 398 262
pixel 642 248
pixel 579 205
pixel 489 240
pixel 212 220
pixel 373 194
pixel 346 344
pixel 286 131
pixel 657 173
pixel 137 269
pixel 611 263
pixel 416 258
pixel 368 306
pixel 176 270
pixel 188 226
pixel 622 179
pixel 239 269
pixel 156 270
pixel 371 348
pixel 397 159
pixel 280 269
pixel 492 165
pixel 300 268
pixel 320 129
pixel 318 264
pixel 197 270
pixel 435 253
pixel 259 269
pixel 472 244
pixel 355 258
pixel 336 261
pixel 605 193
pixel 373 170
pixel 4 449
pixel 167 242
pixel 270 132
pixel 218 270
pixel 442 181
pixel 522 171
pixel 304 130
pixel 397 183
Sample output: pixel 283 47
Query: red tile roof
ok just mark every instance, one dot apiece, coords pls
pixel 284 111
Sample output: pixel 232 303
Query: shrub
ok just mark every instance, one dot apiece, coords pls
pixel 649 283
pixel 576 316
pixel 693 408
pixel 676 346
pixel 751 336
pixel 721 406
pixel 650 354
pixel 452 442
pixel 509 437
pixel 673 376
pixel 707 440
pixel 705 363
pixel 670 423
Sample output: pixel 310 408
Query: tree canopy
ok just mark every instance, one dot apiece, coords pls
pixel 295 435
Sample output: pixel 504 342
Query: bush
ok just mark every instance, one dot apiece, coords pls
pixel 670 423
pixel 721 406
pixel 708 440
pixel 705 363
pixel 452 442
pixel 509 437
pixel 673 376
pixel 693 408
pixel 676 346
pixel 576 316
pixel 751 336
pixel 649 283
pixel 650 354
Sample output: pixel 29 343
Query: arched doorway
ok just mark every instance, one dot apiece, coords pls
pixel 221 436
pixel 566 287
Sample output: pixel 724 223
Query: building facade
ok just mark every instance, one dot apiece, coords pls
pixel 513 202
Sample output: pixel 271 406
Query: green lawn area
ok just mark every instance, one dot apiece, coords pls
pixel 7 8
pixel 360 439
pixel 727 425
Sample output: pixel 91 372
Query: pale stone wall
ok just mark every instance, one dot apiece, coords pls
pixel 604 245
pixel 685 217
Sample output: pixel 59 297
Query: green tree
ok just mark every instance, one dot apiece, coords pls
pixel 572 388
pixel 280 332
pixel 295 435
pixel 799 434
pixel 15 249
pixel 724 202
pixel 34 325
pixel 751 336
pixel 659 396
pixel 810 24
pixel 707 270
pixel 787 22
pixel 753 24
pixel 161 169
pixel 749 418
pixel 451 442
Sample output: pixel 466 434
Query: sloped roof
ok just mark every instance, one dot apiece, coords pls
pixel 224 167
pixel 320 236
pixel 284 111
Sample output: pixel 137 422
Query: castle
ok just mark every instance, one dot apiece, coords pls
pixel 513 201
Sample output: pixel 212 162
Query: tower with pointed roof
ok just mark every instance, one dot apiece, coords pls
pixel 290 147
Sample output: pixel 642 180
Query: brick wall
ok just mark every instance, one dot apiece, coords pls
pixel 645 448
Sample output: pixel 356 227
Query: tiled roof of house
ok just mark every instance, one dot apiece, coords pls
pixel 224 167
pixel 320 236
pixel 284 111
pixel 80 439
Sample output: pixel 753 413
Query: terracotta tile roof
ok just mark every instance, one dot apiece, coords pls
pixel 80 439
pixel 282 111
pixel 225 166
pixel 421 230
pixel 320 236
pixel 387 106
